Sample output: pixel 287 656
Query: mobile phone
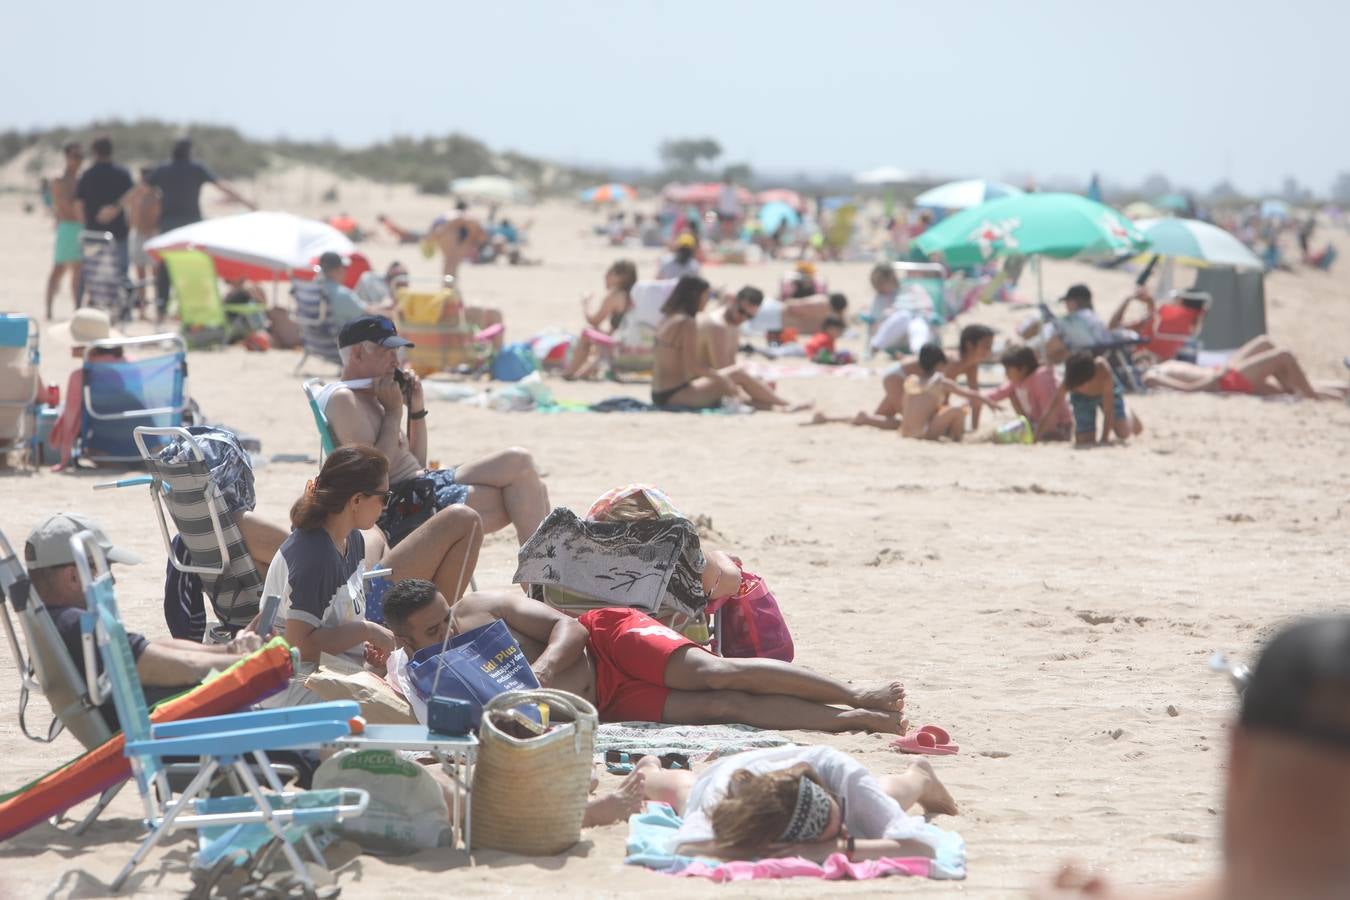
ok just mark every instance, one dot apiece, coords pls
pixel 267 618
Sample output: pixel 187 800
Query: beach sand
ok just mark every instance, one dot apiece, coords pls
pixel 1053 609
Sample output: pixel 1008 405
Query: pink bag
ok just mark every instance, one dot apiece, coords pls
pixel 752 625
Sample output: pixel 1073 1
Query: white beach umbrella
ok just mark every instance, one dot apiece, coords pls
pixel 965 194
pixel 258 245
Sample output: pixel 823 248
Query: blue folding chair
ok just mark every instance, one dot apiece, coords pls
pixel 318 329
pixel 245 830
pixel 19 379
pixel 119 395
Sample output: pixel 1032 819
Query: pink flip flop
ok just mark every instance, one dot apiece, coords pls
pixel 925 742
pixel 939 734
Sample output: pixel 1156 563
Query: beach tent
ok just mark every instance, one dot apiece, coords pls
pixel 491 189
pixel 1238 312
pixel 262 246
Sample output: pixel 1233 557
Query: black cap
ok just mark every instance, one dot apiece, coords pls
pixel 1079 292
pixel 1301 684
pixel 376 329
pixel 330 260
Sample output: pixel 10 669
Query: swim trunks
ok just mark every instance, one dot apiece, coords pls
pixel 662 398
pixel 1234 382
pixel 68 242
pixel 630 650
pixel 405 511
pixel 1085 408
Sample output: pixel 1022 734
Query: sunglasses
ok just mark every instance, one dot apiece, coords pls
pixel 383 495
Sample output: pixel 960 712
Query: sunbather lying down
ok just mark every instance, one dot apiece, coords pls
pixel 633 668
pixel 1257 367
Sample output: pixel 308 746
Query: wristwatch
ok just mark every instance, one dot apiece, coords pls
pixel 414 416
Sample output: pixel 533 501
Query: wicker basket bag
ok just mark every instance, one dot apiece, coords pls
pixel 529 795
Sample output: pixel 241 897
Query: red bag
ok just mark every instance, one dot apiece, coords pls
pixel 752 625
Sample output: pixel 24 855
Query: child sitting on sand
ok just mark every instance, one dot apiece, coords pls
pixel 820 347
pixel 926 413
pixel 1032 389
pixel 1089 383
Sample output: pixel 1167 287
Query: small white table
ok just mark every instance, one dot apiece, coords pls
pixel 457 756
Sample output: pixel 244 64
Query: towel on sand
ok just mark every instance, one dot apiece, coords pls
pixel 651 843
pixel 695 741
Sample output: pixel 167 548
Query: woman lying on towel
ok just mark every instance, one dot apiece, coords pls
pixel 317 571
pixel 1258 367
pixel 606 319
pixel 804 801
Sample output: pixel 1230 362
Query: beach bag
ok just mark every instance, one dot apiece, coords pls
pixel 407 810
pixel 513 362
pixel 410 503
pixel 752 625
pixel 231 469
pixel 476 666
pixel 529 794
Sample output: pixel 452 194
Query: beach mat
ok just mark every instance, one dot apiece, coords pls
pixel 651 843
pixel 694 741
pixel 258 675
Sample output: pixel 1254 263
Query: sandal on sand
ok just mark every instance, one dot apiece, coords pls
pixel 927 741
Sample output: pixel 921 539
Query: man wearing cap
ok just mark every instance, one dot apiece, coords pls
pixel 1082 329
pixel 343 303
pixel 504 488
pixel 1286 828
pixel 166 666
pixel 681 261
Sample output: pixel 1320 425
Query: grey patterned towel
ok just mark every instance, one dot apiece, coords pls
pixel 695 741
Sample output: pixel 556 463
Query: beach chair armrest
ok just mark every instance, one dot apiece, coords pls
pixel 241 741
pixel 336 710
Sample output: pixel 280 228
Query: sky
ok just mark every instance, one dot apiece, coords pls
pixel 1198 90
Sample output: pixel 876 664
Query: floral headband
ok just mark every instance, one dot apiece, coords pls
pixel 810 816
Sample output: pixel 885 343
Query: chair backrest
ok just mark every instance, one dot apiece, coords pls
pixel 47 666
pixel 18 378
pixel 193 275
pixel 216 549
pixel 104 287
pixel 105 622
pixel 317 328
pixel 120 395
pixel 327 442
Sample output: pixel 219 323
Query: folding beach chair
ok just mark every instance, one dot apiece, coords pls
pixel 247 829
pixel 438 325
pixel 103 276
pixel 632 347
pixel 19 358
pixel 207 320
pixel 327 443
pixel 186 488
pixel 922 293
pixel 318 330
pixel 120 395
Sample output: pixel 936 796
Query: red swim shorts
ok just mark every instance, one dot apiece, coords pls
pixel 1234 382
pixel 630 650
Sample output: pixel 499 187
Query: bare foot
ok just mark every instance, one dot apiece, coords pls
pixel 874 721
pixel 935 799
pixel 613 807
pixel 888 697
pixel 818 419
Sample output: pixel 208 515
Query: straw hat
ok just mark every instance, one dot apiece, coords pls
pixel 89 325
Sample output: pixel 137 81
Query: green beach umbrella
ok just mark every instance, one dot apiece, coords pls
pixel 1198 244
pixel 1058 225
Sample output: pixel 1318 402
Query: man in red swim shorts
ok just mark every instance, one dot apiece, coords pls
pixel 633 668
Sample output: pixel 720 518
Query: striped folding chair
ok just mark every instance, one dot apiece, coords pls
pixel 318 330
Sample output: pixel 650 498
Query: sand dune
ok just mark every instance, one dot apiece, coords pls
pixel 1051 608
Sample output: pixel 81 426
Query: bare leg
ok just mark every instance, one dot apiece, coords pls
pixel 712 707
pixel 443 550
pixel 919 784
pixel 1284 368
pixel 665 785
pixel 704 391
pixel 950 422
pixel 506 488
pixel 893 403
pixel 695 669
pixel 760 394
pixel 580 356
pixel 619 804
pixel 75 276
pixel 885 423
pixel 262 538
pixel 53 285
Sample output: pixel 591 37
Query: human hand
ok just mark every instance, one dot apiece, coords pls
pixel 389 394
pixel 375 657
pixel 107 213
pixel 414 389
pixel 379 637
pixel 246 642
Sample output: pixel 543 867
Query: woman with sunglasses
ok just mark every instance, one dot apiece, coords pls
pixel 806 801
pixel 317 571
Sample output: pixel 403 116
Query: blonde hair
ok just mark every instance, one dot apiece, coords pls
pixel 758 808
pixel 633 508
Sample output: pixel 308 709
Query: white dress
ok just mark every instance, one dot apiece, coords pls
pixel 870 811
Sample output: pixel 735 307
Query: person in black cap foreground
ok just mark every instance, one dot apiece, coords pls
pixel 504 488
pixel 1286 831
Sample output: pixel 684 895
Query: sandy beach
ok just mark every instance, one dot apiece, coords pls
pixel 1053 609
